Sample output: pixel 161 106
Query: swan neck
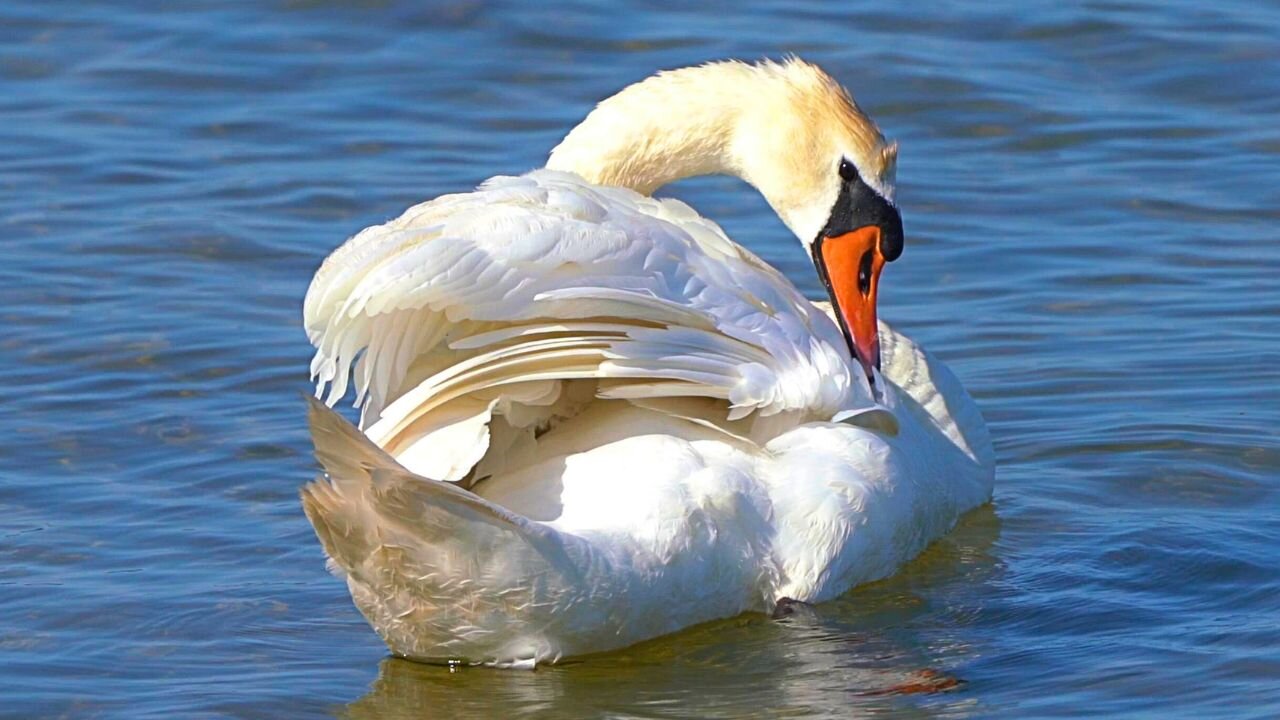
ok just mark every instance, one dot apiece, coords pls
pixel 672 126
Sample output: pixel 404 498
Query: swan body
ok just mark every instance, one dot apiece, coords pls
pixel 589 418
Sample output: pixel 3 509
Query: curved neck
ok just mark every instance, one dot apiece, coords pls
pixel 782 128
pixel 671 126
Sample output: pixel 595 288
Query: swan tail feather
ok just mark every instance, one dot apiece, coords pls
pixel 422 557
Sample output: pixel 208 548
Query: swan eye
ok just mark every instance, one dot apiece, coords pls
pixel 847 171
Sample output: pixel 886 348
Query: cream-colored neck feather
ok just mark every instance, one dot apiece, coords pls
pixel 781 127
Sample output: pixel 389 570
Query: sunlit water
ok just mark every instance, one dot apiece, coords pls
pixel 1091 199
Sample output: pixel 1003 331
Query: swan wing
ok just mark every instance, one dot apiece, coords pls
pixel 469 300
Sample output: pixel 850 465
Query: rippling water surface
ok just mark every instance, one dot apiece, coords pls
pixel 1091 195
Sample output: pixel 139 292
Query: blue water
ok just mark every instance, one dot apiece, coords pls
pixel 1091 195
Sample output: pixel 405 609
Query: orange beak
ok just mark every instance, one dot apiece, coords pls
pixel 852 263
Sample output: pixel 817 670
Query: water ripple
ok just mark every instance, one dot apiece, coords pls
pixel 1090 203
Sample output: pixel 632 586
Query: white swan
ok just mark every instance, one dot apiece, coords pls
pixel 590 418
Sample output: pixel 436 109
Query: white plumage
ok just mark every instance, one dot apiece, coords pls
pixel 525 270
pixel 589 418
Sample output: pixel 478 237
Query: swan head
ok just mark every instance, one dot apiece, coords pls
pixel 828 173
pixel 789 130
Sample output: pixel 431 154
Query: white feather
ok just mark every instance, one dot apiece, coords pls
pixel 656 428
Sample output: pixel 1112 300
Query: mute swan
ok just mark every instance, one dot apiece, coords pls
pixel 589 418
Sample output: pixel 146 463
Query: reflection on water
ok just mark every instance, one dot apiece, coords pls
pixel 869 652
